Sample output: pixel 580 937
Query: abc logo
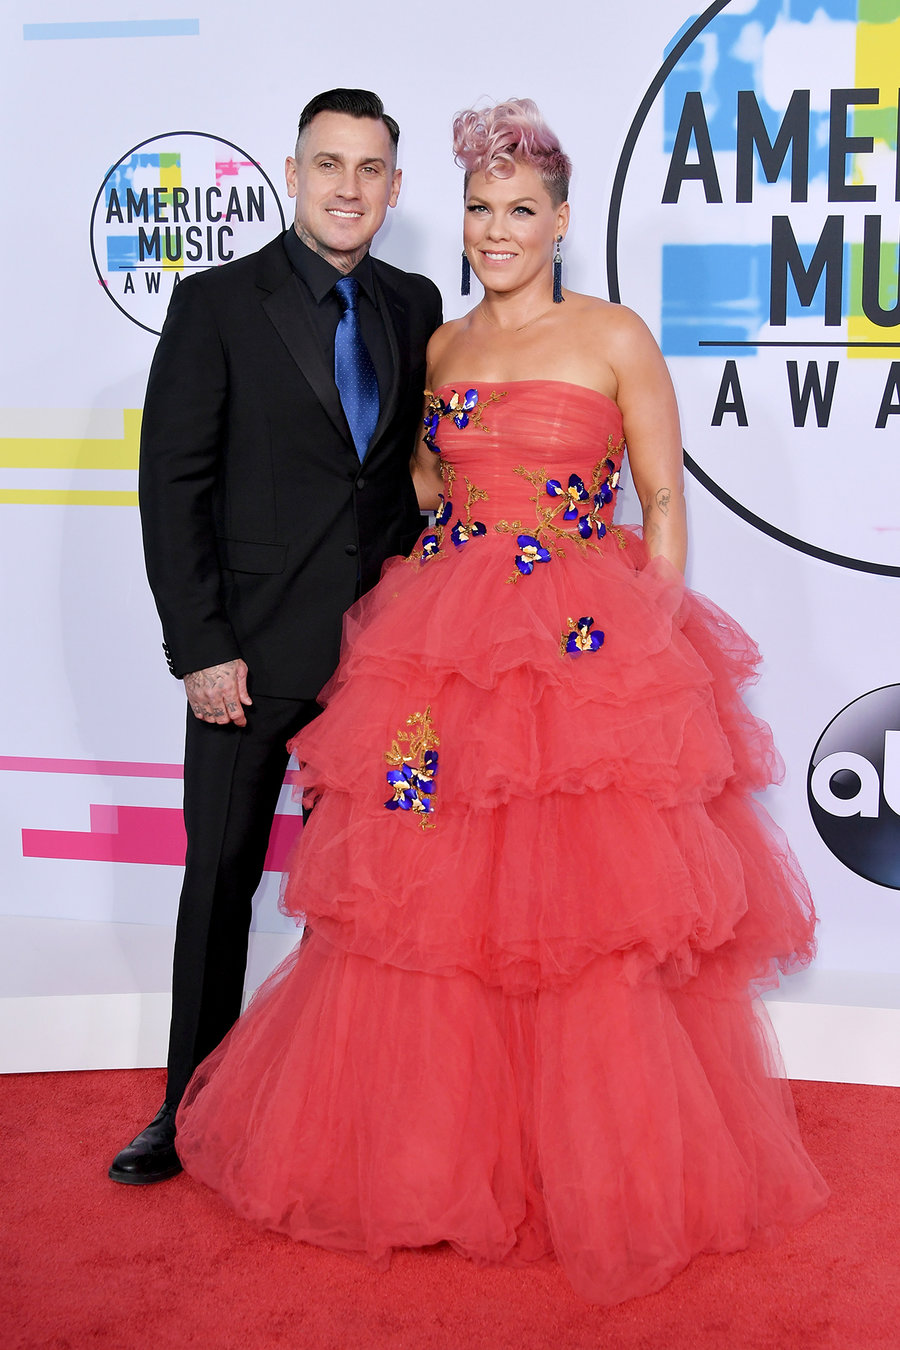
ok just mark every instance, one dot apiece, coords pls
pixel 854 786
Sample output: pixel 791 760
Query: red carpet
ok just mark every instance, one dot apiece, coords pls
pixel 86 1263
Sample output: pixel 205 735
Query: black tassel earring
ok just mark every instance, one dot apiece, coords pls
pixel 466 284
pixel 557 273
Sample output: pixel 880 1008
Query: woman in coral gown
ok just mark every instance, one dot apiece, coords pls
pixel 540 897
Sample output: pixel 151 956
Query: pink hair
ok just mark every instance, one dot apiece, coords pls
pixel 494 140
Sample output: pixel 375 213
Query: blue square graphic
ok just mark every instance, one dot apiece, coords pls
pixel 121 252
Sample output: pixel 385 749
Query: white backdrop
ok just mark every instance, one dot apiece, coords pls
pixel 93 722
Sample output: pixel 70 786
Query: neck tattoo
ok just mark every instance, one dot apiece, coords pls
pixel 343 262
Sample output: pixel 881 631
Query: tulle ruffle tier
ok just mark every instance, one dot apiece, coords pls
pixel 596 805
pixel 622 1128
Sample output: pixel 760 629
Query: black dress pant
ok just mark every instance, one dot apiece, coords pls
pixel 232 777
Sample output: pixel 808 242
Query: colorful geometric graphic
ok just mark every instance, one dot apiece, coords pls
pixel 721 291
pixel 143 178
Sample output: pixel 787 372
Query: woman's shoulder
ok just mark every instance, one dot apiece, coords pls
pixel 448 329
pixel 443 338
pixel 593 311
pixel 615 329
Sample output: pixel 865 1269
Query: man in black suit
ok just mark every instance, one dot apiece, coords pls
pixel 266 511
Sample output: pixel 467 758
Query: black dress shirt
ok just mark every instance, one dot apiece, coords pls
pixel 318 276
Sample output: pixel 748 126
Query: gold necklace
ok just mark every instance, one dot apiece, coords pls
pixel 543 314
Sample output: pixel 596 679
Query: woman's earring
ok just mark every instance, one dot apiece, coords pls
pixel 557 273
pixel 466 285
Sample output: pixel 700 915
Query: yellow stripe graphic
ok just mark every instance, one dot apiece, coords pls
pixel 170 177
pixel 877 63
pixel 65 497
pixel 39 453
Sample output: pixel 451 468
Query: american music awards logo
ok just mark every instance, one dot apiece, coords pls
pixel 179 202
pixel 853 786
pixel 754 222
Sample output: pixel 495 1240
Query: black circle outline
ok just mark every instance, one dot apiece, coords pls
pixel 208 135
pixel 612 275
pixel 809 796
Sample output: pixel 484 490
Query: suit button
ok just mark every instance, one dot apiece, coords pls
pixel 360 483
pixel 351 550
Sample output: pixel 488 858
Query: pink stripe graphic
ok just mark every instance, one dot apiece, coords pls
pixel 109 768
pixel 131 834
pixel 141 834
pixel 100 768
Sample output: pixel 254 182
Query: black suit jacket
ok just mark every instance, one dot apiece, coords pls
pixel 260 524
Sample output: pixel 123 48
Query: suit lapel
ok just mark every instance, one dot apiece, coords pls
pixel 288 306
pixel 396 327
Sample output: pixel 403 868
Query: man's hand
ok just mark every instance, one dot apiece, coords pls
pixel 219 693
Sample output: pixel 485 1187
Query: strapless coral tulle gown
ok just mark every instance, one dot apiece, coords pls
pixel 540 900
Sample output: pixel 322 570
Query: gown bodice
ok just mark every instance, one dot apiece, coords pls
pixel 537 460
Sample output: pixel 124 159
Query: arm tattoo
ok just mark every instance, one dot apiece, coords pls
pixel 663 498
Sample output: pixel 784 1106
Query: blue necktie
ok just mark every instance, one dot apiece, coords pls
pixel 354 373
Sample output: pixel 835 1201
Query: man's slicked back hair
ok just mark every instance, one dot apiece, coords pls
pixel 353 103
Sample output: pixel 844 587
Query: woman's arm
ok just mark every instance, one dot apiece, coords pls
pixel 652 434
pixel 425 465
pixel 425 468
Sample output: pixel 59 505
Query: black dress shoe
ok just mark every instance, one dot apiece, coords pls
pixel 151 1155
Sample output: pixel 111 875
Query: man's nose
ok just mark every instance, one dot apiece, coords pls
pixel 346 184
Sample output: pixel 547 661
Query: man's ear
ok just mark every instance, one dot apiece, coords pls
pixel 290 175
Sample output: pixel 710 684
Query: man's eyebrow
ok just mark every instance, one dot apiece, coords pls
pixel 336 154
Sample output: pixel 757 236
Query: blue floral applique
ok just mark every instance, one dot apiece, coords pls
pixel 461 534
pixel 532 551
pixel 462 408
pixel 574 494
pixel 561 519
pixel 414 764
pixel 432 544
pixel 465 527
pixel 590 522
pixel 582 637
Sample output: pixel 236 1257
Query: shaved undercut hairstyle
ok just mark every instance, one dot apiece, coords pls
pixel 353 103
